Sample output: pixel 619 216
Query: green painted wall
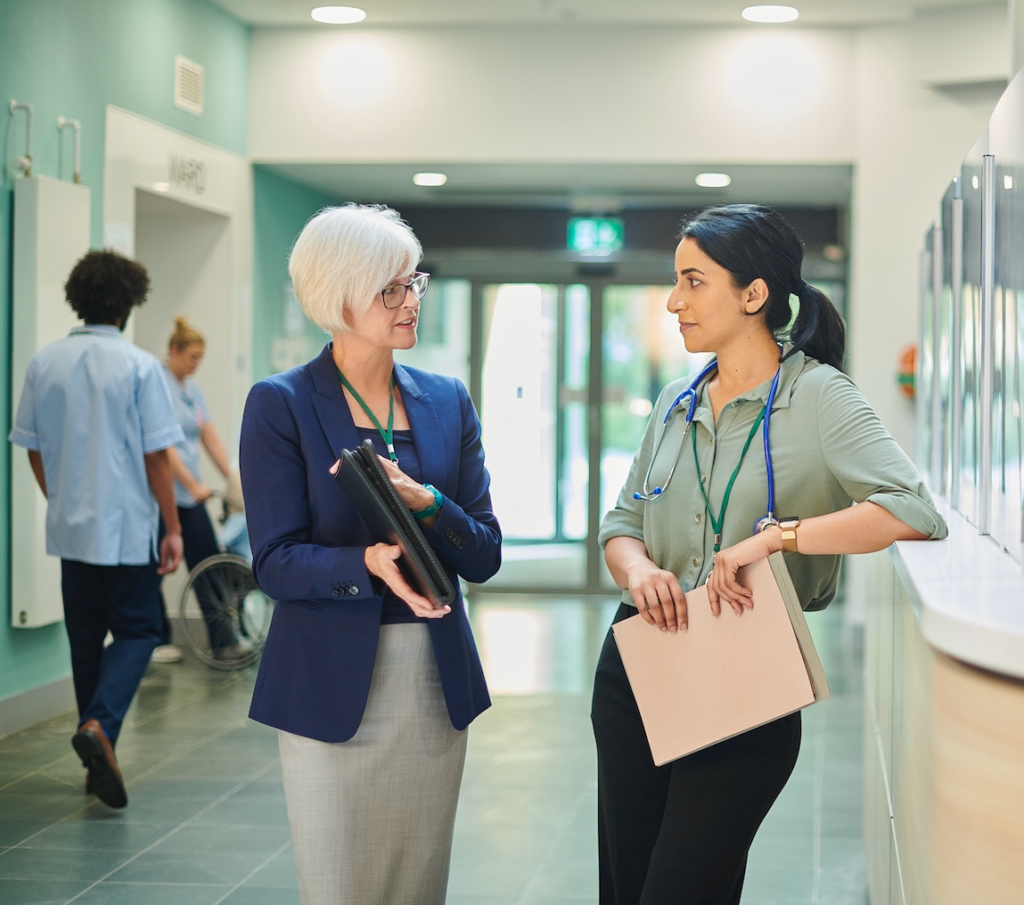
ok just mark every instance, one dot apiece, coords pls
pixel 281 209
pixel 72 58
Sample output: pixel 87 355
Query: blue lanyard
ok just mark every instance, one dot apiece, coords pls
pixel 648 495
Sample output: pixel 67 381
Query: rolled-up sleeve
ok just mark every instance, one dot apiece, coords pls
pixel 869 464
pixel 160 426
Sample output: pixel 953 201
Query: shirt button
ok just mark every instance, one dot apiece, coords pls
pixel 696 518
pixel 695 561
pixel 703 479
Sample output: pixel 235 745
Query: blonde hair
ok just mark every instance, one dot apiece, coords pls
pixel 345 256
pixel 184 335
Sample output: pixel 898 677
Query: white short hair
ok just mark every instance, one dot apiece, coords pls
pixel 345 256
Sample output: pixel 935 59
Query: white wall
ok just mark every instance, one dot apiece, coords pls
pixel 552 94
pixel 591 94
pixel 911 139
pixel 216 190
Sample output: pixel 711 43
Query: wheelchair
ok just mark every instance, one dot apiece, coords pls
pixel 224 616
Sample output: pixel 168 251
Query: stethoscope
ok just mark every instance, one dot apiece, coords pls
pixel 649 495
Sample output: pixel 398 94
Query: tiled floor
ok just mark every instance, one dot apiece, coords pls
pixel 206 821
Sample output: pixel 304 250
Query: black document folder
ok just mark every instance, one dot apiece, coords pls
pixel 389 521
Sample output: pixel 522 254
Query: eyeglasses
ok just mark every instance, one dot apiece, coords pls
pixel 394 296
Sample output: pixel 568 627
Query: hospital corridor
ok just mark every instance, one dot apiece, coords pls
pixel 512 452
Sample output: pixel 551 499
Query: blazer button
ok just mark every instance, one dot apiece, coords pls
pixel 335 592
pixel 353 590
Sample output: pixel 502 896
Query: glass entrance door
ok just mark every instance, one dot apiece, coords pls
pixel 553 416
pixel 534 410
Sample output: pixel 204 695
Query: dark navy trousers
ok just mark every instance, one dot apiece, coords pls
pixel 124 600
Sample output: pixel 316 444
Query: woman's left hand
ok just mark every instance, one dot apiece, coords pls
pixel 722 584
pixel 413 494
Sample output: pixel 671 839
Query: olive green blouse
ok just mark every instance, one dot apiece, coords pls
pixel 829 449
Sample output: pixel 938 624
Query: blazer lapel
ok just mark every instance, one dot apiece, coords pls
pixel 435 450
pixel 432 446
pixel 330 405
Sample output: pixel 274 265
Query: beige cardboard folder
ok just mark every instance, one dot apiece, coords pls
pixel 723 675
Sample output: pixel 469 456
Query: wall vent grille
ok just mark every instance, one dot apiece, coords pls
pixel 189 78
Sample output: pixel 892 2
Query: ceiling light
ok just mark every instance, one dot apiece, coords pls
pixel 713 180
pixel 771 13
pixel 338 15
pixel 430 179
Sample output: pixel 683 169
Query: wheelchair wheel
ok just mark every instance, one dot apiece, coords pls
pixel 224 616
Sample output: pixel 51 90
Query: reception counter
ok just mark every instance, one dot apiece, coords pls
pixel 944 715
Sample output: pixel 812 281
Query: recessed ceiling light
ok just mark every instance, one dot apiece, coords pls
pixel 713 180
pixel 338 15
pixel 771 13
pixel 430 179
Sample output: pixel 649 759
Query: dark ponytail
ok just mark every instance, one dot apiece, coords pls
pixel 751 241
pixel 818 330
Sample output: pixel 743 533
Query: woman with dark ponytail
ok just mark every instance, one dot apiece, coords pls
pixel 680 833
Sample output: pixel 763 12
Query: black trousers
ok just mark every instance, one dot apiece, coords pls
pixel 678 834
pixel 124 600
pixel 200 541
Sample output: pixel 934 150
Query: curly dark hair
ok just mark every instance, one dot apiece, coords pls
pixel 104 286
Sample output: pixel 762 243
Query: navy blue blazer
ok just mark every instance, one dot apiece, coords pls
pixel 308 543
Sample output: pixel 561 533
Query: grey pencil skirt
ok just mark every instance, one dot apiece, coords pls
pixel 372 818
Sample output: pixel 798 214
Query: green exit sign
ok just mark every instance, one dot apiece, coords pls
pixel 595 235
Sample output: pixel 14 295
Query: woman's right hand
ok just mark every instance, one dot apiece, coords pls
pixel 200 492
pixel 381 560
pixel 658 596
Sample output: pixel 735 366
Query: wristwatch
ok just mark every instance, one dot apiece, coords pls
pixel 433 507
pixel 788 526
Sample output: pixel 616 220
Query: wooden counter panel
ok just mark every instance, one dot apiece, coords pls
pixel 978 763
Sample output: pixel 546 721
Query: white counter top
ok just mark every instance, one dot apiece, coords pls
pixel 969 595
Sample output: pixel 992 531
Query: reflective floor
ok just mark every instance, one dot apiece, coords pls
pixel 206 821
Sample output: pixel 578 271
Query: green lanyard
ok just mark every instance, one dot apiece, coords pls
pixel 387 435
pixel 717 523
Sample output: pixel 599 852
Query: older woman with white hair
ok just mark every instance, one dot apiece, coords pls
pixel 370 686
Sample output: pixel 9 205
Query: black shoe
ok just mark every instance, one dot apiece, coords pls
pixel 93 747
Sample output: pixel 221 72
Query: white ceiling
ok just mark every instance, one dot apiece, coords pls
pixel 274 13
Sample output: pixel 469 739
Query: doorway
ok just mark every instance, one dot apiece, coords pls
pixel 187 252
